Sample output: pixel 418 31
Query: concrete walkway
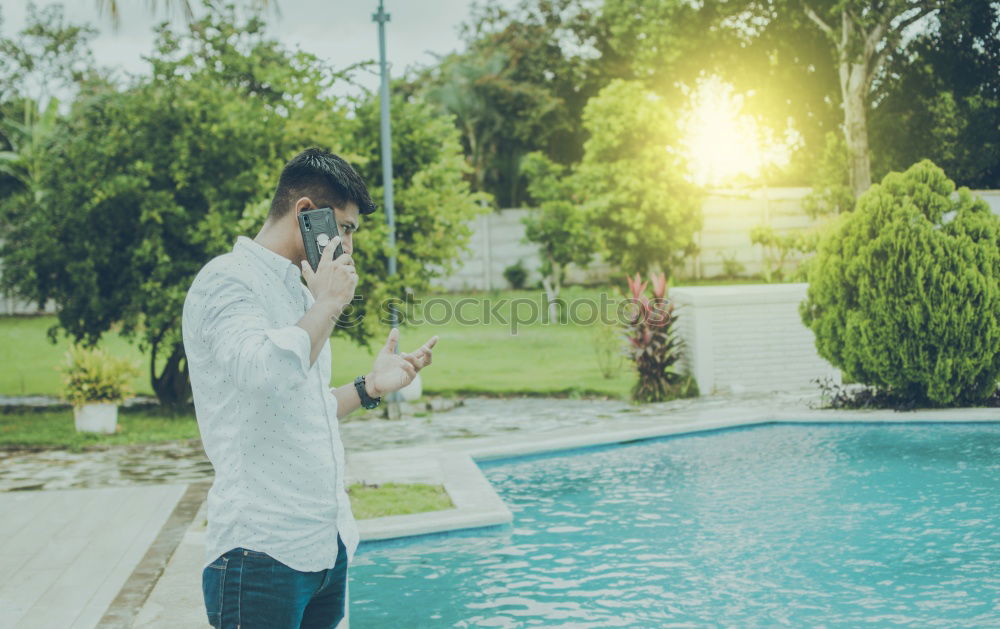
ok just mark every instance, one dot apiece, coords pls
pixel 176 601
pixel 66 554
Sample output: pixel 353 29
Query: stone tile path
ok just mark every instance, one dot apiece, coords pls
pixel 66 553
pixel 476 417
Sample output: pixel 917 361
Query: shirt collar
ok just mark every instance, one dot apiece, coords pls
pixel 279 264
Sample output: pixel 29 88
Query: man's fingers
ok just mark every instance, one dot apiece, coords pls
pixel 416 361
pixel 329 249
pixel 392 340
pixel 424 356
pixel 431 343
pixel 409 369
pixel 307 271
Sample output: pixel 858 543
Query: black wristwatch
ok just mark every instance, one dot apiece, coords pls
pixel 366 400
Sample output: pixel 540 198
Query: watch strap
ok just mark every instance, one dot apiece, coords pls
pixel 367 401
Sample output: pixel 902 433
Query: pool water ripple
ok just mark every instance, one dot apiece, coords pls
pixel 821 525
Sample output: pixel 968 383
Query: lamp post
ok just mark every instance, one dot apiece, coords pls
pixel 381 17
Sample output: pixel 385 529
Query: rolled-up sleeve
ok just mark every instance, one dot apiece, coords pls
pixel 234 327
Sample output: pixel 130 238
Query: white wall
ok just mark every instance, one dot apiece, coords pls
pixel 748 338
pixel 496 243
pixel 728 218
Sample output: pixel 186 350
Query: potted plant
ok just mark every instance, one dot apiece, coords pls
pixel 95 384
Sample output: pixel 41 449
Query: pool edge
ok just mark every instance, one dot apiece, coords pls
pixel 478 506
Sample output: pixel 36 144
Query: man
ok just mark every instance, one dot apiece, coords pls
pixel 280 527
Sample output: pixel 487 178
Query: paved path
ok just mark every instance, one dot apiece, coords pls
pixel 65 554
pixel 176 601
pixel 185 461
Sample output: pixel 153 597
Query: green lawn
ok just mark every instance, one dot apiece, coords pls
pixel 374 501
pixel 493 357
pixel 29 361
pixel 497 355
pixel 56 429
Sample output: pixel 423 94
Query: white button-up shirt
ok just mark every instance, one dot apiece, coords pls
pixel 268 419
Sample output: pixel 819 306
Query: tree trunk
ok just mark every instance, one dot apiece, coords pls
pixel 857 63
pixel 854 93
pixel 172 386
pixel 552 284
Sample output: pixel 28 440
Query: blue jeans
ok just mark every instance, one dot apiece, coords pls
pixel 250 589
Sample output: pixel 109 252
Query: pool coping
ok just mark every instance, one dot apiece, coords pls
pixel 477 505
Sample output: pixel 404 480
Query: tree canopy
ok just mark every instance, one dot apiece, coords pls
pixel 146 182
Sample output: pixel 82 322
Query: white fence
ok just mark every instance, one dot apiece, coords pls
pixel 497 239
pixel 748 338
pixel 497 242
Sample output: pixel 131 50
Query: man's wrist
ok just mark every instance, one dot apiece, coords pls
pixel 331 308
pixel 370 386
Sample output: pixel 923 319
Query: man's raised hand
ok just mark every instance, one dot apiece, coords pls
pixel 392 371
pixel 333 282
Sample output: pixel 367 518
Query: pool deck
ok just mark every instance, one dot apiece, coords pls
pixel 132 556
pixel 68 554
pixel 451 463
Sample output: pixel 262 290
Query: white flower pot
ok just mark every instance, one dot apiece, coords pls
pixel 96 417
pixel 412 391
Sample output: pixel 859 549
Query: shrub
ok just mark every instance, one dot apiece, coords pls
pixel 904 293
pixel 608 349
pixel 652 342
pixel 731 266
pixel 516 275
pixel 831 193
pixel 91 375
pixel 779 248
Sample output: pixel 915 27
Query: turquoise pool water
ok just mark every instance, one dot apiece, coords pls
pixel 778 525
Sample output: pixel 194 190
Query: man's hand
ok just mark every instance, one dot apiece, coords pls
pixel 392 371
pixel 333 282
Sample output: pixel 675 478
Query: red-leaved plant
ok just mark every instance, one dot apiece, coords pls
pixel 652 342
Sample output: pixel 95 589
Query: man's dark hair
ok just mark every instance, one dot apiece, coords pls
pixel 323 177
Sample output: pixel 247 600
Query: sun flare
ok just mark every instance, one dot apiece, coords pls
pixel 725 145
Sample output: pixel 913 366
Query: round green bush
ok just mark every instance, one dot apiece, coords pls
pixel 904 292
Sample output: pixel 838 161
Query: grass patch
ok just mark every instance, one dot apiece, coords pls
pixel 375 501
pixel 498 354
pixel 29 361
pixel 496 350
pixel 492 354
pixel 56 429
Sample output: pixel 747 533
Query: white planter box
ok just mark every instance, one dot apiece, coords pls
pixel 96 417
pixel 748 338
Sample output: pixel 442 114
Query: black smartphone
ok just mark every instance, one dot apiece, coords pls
pixel 318 228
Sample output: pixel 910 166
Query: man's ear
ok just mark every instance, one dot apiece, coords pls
pixel 303 204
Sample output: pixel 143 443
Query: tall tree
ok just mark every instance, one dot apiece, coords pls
pixel 184 6
pixel 634 182
pixel 47 56
pixel 943 99
pixel 558 225
pixel 863 35
pixel 150 182
pixel 520 85
pixel 779 65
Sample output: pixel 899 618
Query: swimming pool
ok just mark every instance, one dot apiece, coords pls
pixel 794 525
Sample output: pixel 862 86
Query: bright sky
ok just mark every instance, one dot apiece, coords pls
pixel 340 31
